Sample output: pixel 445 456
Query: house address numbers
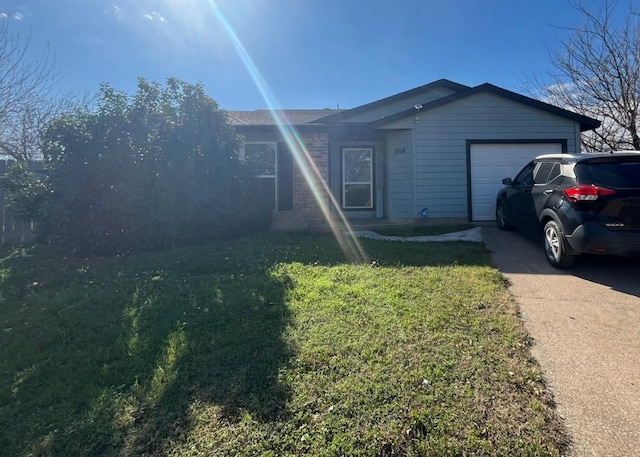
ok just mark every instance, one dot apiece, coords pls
pixel 398 151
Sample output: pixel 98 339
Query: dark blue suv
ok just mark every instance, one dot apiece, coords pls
pixel 580 203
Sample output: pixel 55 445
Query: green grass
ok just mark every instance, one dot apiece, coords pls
pixel 422 230
pixel 268 346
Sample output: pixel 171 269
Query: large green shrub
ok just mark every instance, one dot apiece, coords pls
pixel 156 170
pixel 25 190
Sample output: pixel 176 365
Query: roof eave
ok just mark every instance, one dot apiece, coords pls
pixel 338 117
pixel 586 123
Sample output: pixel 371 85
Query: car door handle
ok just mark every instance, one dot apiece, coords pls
pixel 547 192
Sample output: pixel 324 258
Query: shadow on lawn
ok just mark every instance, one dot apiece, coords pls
pixel 108 357
pixel 117 366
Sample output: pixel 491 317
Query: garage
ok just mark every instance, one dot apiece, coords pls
pixel 489 163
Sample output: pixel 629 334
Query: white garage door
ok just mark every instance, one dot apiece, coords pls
pixel 490 163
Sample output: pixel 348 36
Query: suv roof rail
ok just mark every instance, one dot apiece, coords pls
pixel 573 157
pixel 558 155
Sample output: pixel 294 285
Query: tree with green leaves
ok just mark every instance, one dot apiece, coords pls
pixel 156 170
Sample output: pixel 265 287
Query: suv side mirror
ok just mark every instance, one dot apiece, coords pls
pixel 507 181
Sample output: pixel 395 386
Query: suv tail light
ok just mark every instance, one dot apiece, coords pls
pixel 582 192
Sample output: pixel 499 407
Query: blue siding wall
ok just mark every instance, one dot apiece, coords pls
pixel 441 155
pixel 400 157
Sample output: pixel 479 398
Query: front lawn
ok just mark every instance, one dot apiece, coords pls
pixel 270 346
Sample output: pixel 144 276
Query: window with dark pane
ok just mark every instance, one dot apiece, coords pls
pixel 261 158
pixel 357 188
pixel 555 172
pixel 262 161
pixel 542 175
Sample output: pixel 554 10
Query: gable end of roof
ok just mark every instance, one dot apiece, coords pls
pixel 338 117
pixel 586 123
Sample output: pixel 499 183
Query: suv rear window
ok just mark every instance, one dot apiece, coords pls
pixel 610 174
pixel 547 172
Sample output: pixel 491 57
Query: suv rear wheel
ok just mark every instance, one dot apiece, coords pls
pixel 554 246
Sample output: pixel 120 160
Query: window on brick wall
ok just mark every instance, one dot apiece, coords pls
pixel 271 163
pixel 357 178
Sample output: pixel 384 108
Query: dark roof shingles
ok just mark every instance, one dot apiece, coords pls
pixel 265 117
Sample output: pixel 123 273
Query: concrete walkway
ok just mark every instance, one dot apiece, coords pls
pixel 474 235
pixel 586 327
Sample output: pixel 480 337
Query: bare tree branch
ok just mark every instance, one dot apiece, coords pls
pixel 26 95
pixel 596 72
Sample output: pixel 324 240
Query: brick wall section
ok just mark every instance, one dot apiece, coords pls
pixel 306 211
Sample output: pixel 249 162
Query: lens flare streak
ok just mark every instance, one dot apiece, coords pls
pixel 341 229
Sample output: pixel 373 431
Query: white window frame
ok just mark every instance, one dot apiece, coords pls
pixel 274 146
pixel 346 183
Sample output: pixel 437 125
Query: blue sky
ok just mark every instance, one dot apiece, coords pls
pixel 311 53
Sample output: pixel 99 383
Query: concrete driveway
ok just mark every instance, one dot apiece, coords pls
pixel 586 326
